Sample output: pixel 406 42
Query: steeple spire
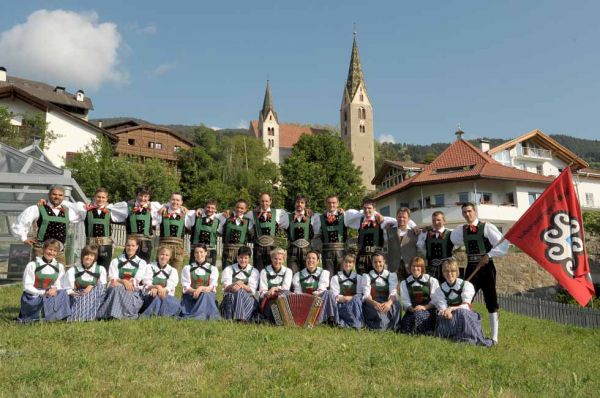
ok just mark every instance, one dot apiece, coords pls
pixel 355 74
pixel 268 104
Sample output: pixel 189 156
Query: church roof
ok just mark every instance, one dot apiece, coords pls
pixel 355 73
pixel 268 105
pixel 464 161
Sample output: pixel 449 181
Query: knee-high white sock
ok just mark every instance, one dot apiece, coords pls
pixel 494 325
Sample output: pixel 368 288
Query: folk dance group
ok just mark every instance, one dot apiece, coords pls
pixel 417 274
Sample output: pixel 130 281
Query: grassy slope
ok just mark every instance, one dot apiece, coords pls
pixel 158 357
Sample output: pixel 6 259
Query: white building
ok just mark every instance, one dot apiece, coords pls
pixel 503 182
pixel 65 113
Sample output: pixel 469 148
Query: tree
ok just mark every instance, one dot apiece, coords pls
pixel 32 125
pixel 591 222
pixel 320 165
pixel 97 167
pixel 389 151
pixel 429 157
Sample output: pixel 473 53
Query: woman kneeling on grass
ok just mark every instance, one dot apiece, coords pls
pixel 159 286
pixel 199 281
pixel 380 296
pixel 275 279
pixel 86 284
pixel 315 280
pixel 124 294
pixel 456 320
pixel 346 290
pixel 240 281
pixel 415 294
pixel 42 295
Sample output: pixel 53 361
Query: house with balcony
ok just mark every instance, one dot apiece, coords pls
pixel 394 172
pixel 465 173
pixel 538 153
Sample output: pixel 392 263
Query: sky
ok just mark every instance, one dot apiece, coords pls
pixel 496 69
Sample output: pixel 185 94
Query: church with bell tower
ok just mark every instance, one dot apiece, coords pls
pixel 356 119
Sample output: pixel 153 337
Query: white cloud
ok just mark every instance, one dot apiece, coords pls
pixel 149 30
pixel 242 124
pixel 63 48
pixel 163 68
pixel 216 128
pixel 387 138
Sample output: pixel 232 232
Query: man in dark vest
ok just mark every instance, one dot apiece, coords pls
pixel 52 220
pixel 266 222
pixel 174 218
pixel 205 229
pixel 370 225
pixel 235 228
pixel 401 244
pixel 141 217
pixel 332 228
pixel 483 242
pixel 435 244
pixel 300 232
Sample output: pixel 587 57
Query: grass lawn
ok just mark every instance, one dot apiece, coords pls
pixel 163 357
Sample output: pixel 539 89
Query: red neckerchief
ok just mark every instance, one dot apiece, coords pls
pixel 93 206
pixel 299 216
pixel 264 216
pixel 331 217
pixel 61 212
pixel 368 223
pixel 472 228
pixel 141 209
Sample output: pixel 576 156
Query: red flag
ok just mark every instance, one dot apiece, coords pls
pixel 551 232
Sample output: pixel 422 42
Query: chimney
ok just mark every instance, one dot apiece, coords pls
pixel 459 134
pixel 80 95
pixel 2 74
pixel 59 89
pixel 484 144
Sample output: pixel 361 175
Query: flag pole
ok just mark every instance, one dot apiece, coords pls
pixel 480 266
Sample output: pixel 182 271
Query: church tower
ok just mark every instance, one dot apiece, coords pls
pixel 356 120
pixel 268 126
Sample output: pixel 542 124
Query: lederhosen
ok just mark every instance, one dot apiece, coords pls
pixel 98 233
pixel 300 234
pixel 309 282
pixel 172 230
pixel 476 245
pixel 139 225
pixel 333 236
pixel 81 283
pixel 205 231
pixel 438 249
pixel 264 238
pixel 51 226
pixel 370 241
pixel 234 237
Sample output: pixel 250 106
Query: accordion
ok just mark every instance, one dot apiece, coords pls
pixel 300 310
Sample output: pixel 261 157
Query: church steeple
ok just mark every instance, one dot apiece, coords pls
pixel 355 73
pixel 268 105
pixel 356 119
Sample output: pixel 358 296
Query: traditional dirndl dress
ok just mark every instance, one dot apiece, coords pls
pixel 380 287
pixel 38 277
pixel 241 305
pixel 348 314
pixel 120 303
pixel 168 278
pixel 317 281
pixel 205 307
pixel 85 308
pixel 418 292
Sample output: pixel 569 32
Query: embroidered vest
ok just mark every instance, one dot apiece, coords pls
pixel 440 247
pixel 336 232
pixel 310 282
pixel 475 242
pixel 81 283
pixel 131 271
pixel 457 297
pixel 200 279
pixel 97 225
pixel 264 227
pixel 140 223
pixel 205 231
pixel 51 226
pixel 348 285
pixel 299 229
pixel 173 227
pixel 160 277
pixel 242 275
pixel 379 292
pixel 272 275
pixel 419 291
pixel 235 234
pixel 371 235
pixel 44 281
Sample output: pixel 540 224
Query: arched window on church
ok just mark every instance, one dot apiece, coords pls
pixel 362 128
pixel 362 113
pixel 345 115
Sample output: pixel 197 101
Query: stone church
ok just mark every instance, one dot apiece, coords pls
pixel 356 123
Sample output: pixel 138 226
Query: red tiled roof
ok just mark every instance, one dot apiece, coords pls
pixel 289 134
pixel 464 161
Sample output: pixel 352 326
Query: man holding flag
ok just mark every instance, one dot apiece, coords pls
pixel 551 232
pixel 483 242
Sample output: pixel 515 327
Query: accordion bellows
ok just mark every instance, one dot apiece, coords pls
pixel 301 310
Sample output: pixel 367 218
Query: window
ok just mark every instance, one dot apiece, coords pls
pixel 158 145
pixel 345 115
pixel 176 148
pixel 362 97
pixel 539 169
pixel 151 144
pixel 510 198
pixel 463 197
pixel 533 196
pixel 589 199
pixel 385 211
pixel 438 200
pixel 362 113
pixel 130 141
pixel 362 128
pixel 483 197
